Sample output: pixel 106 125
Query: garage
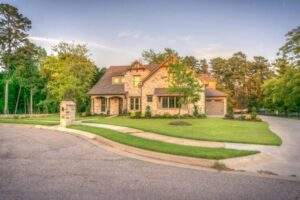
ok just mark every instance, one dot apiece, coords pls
pixel 215 107
pixel 215 102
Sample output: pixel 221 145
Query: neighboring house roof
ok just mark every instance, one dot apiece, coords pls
pixel 209 92
pixel 105 87
pixel 164 92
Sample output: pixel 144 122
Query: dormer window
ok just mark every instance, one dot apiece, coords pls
pixel 117 80
pixel 136 80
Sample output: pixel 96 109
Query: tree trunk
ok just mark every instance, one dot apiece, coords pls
pixel 17 103
pixel 31 102
pixel 6 98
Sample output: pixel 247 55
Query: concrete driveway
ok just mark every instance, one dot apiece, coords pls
pixel 45 164
pixel 283 160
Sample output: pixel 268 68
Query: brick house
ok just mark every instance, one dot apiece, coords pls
pixel 131 88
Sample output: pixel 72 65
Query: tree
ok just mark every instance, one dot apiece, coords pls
pixel 203 68
pixel 242 79
pixel 13 33
pixel 69 74
pixel 26 61
pixel 259 71
pixel 183 81
pixel 192 62
pixel 152 57
pixel 291 49
pixel 281 66
pixel 282 93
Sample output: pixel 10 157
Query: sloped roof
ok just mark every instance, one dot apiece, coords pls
pixel 105 86
pixel 209 92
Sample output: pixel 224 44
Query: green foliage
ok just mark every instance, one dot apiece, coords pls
pixel 229 114
pixel 291 49
pixel 210 129
pixel 253 113
pixel 152 57
pixel 148 113
pixel 242 79
pixel 13 34
pixel 153 145
pixel 69 75
pixel 183 81
pixel 136 114
pixel 282 93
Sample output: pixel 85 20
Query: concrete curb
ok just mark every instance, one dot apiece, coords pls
pixel 135 153
pixel 140 152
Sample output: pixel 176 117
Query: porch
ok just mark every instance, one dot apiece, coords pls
pixel 108 104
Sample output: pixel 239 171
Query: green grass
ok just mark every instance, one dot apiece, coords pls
pixel 162 147
pixel 37 120
pixel 210 129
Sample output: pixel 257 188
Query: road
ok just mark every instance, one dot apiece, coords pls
pixel 45 164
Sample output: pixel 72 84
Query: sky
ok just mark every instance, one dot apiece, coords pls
pixel 117 31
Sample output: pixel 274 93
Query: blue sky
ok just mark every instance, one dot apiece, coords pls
pixel 116 32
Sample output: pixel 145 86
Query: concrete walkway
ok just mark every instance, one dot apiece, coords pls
pixel 283 160
pixel 154 136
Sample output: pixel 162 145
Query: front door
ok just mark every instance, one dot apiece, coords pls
pixel 114 106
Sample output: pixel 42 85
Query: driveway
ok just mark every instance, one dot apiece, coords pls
pixel 283 160
pixel 46 164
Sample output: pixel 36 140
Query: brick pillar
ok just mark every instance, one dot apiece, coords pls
pixel 67 113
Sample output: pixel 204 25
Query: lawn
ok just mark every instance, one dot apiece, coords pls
pixel 48 120
pixel 210 129
pixel 162 147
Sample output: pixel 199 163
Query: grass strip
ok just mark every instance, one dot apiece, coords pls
pixel 162 147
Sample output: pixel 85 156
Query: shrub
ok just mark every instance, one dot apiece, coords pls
pixel 229 114
pixel 253 113
pixel 132 114
pixel 148 113
pixel 138 114
pixel 196 111
pixel 180 123
pixel 201 116
pixel 167 115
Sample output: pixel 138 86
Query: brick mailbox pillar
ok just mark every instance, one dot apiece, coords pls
pixel 67 113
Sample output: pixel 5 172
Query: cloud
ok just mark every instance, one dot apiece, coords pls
pixel 103 55
pixel 212 51
pixel 54 41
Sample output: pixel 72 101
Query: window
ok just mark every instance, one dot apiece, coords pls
pixel 135 103
pixel 103 104
pixel 149 98
pixel 117 80
pixel 136 80
pixel 170 102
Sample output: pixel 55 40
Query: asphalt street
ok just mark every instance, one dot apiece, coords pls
pixel 45 164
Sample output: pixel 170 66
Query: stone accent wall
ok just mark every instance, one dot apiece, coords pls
pixel 132 90
pixel 160 80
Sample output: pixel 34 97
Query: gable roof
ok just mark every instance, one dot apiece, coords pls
pixel 105 86
pixel 209 92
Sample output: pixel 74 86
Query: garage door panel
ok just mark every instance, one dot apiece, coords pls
pixel 215 107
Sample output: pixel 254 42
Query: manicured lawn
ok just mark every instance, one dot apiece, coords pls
pixel 210 129
pixel 152 145
pixel 42 120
